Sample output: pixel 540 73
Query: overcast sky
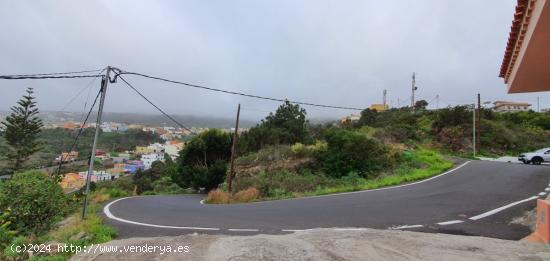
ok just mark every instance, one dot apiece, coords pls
pixel 332 52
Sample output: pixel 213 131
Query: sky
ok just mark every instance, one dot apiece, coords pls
pixel 342 53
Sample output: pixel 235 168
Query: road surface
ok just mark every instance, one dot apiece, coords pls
pixel 476 198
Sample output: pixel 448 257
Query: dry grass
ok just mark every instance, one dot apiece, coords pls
pixel 100 196
pixel 246 195
pixel 218 197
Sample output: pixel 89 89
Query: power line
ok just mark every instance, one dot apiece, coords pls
pixel 14 77
pixel 56 73
pixel 120 72
pixel 88 86
pixel 79 132
pixel 158 108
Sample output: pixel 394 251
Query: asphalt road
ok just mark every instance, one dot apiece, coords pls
pixel 453 200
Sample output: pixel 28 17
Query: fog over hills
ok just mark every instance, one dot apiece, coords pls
pixel 152 119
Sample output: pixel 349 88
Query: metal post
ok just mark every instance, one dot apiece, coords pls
pixel 413 89
pixel 474 128
pixel 104 84
pixel 478 125
pixel 233 150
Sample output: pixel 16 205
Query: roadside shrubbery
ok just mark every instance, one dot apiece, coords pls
pixel 350 151
pixel 34 202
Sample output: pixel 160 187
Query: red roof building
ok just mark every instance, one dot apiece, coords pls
pixel 526 63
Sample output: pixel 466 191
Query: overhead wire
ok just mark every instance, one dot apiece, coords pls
pixel 156 107
pixel 33 77
pixel 121 72
pixel 87 86
pixel 83 124
pixel 56 73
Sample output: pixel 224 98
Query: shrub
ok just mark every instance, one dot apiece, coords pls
pixel 302 150
pixel 202 163
pixel 35 201
pixel 218 197
pixel 352 151
pixel 246 195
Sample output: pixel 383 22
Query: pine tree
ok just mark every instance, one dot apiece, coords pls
pixel 21 129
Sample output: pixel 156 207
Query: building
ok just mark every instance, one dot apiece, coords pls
pixel 506 106
pixel 97 176
pixel 71 181
pixel 67 156
pixel 379 107
pixel 173 148
pixel 527 57
pixel 70 125
pixel 132 166
pixel 353 118
pixel 148 159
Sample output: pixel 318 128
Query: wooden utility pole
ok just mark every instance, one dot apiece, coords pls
pixel 104 83
pixel 233 150
pixel 478 125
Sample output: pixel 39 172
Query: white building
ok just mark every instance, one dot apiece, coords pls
pixel 506 106
pixel 148 159
pixel 97 175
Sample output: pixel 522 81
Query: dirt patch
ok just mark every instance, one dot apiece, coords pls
pixel 329 244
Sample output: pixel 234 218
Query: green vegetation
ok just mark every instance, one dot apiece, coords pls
pixel 203 161
pixel 34 202
pixel 293 174
pixel 287 126
pixel 20 129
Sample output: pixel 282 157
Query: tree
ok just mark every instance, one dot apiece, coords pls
pixel 287 125
pixel 203 161
pixel 420 105
pixel 21 129
pixel 144 179
pixel 368 117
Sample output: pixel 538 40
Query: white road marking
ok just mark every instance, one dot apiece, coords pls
pixel 404 227
pixel 294 230
pixel 349 229
pixel 202 201
pixel 110 215
pixel 542 193
pixel 494 211
pixel 450 222
pixel 243 230
pixel 547 189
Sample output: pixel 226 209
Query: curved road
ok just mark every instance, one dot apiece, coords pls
pixel 470 193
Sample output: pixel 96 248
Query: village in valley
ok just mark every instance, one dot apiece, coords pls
pixel 115 164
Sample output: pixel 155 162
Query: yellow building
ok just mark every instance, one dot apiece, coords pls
pixel 143 150
pixel 379 107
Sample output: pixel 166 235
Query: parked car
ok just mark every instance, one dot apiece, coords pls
pixel 535 157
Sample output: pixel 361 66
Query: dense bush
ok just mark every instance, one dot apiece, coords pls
pixel 33 200
pixel 203 162
pixel 350 151
pixel 287 126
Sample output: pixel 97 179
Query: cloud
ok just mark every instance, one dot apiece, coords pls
pixel 332 52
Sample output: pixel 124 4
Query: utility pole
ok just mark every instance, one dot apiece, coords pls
pixel 233 150
pixel 474 128
pixel 104 83
pixel 384 93
pixel 478 125
pixel 413 88
pixel 437 102
pixel 538 104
